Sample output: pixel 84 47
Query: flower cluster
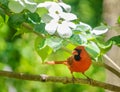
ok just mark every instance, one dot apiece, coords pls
pixel 61 19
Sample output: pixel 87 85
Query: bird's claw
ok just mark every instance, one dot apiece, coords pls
pixel 90 80
pixel 73 79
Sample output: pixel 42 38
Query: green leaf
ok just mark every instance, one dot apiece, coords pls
pixel 4 30
pixel 31 6
pixel 57 55
pixel 99 30
pixel 41 48
pixel 21 30
pixel 83 38
pixel 16 6
pixel 54 42
pixel 39 43
pixel 1 21
pixel 83 27
pixel 104 46
pixel 2 13
pixel 76 39
pixel 115 40
pixel 118 20
pixel 40 28
pixel 18 33
pixel 93 50
pixel 16 19
pixel 33 18
pixel 42 11
pixel 46 18
pixel 4 2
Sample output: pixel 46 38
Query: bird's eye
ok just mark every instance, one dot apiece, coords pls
pixel 75 52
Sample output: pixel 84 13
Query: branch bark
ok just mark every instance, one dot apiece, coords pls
pixel 65 80
pixel 108 67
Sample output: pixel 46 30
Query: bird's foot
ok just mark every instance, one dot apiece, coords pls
pixel 73 79
pixel 90 80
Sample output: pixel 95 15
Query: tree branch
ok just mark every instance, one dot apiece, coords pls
pixel 65 80
pixel 111 69
pixel 113 62
pixel 26 25
pixel 117 73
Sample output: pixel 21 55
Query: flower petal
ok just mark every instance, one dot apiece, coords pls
pixel 54 16
pixel 65 6
pixel 83 27
pixel 51 27
pixel 45 4
pixel 55 8
pixel 68 16
pixel 71 25
pixel 64 31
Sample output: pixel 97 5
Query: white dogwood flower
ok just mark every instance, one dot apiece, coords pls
pixel 62 27
pixel 61 21
pixel 49 4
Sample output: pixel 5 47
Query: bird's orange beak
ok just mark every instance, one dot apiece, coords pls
pixel 74 52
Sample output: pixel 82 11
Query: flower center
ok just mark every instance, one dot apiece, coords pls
pixel 60 20
pixel 56 12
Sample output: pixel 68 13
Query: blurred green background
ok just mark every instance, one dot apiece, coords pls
pixel 18 54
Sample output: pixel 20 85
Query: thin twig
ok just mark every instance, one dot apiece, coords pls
pixel 113 62
pixel 111 69
pixel 65 80
pixel 26 25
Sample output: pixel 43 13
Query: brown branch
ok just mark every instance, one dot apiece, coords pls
pixel 111 61
pixel 6 10
pixel 111 69
pixel 65 80
pixel 117 73
pixel 26 25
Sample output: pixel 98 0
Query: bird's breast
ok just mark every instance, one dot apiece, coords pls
pixel 80 66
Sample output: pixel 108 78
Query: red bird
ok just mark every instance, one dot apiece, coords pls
pixel 80 61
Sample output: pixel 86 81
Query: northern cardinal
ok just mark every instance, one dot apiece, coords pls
pixel 80 61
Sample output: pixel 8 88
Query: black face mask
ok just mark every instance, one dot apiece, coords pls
pixel 77 57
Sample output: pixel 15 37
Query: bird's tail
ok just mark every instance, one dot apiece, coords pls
pixel 56 62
